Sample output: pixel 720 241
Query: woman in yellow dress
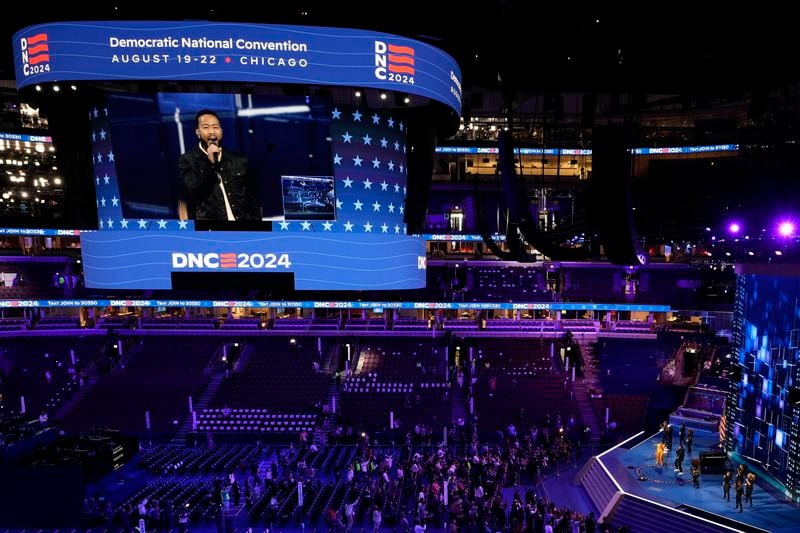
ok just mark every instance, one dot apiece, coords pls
pixel 660 454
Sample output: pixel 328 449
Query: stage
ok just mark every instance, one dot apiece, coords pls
pixel 636 472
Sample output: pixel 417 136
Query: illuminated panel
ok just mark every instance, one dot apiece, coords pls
pixel 764 384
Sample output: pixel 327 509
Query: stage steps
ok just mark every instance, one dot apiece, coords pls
pixel 641 515
pixel 597 483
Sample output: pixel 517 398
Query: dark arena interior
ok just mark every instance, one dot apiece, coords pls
pixel 523 267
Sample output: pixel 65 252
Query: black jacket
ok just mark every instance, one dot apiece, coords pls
pixel 204 193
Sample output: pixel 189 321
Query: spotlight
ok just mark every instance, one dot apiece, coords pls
pixel 734 228
pixel 38 88
pixel 383 96
pixel 56 88
pixel 786 228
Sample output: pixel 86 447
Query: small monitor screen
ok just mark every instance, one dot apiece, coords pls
pixel 308 197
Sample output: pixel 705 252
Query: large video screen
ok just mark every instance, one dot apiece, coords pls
pixel 266 185
pixel 766 410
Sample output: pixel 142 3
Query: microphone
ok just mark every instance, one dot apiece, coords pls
pixel 215 155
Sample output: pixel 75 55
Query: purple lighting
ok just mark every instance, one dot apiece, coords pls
pixel 786 228
pixel 734 228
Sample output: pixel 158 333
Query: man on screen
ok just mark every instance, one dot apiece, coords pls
pixel 217 181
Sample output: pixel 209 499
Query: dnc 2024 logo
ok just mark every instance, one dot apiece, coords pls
pixel 394 63
pixel 35 54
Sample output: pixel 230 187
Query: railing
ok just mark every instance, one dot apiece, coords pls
pixel 576 457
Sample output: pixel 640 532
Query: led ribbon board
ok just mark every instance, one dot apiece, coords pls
pixel 234 52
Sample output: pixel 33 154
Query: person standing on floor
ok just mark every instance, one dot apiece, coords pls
pixel 739 493
pixel 682 434
pixel 696 473
pixel 660 454
pixel 726 485
pixel 689 440
pixel 679 455
pixel 750 481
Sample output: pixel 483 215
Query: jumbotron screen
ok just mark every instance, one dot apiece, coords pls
pixel 297 171
pixel 321 192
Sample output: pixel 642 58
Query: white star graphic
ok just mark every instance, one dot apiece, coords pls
pixel 347 137
pixel 396 187
pixel 124 223
pixel 94 137
pixel 162 224
pixel 306 225
pixel 367 184
pixel 348 183
pixel 97 180
pixel 114 201
pixel 339 204
pixel 358 203
pixel 348 226
pixel 391 165
pixel 357 116
pixel 95 112
pixel 401 168
pixel 99 158
pixel 327 225
pixel 376 119
pixel 396 228
pixel 384 142
pixel 367 140
pixel 401 126
pixel 105 111
pixel 105 179
pixel 102 224
pixel 391 122
pixel 384 228
pixel 397 146
pixel 110 223
pixel 376 206
pixel 284 225
pixel 336 114
pixel 337 159
pixel 368 227
pixel 391 208
pixel 111 156
pixel 142 223
pixel 404 190
pixel 376 163
pixel 357 161
pixel 182 224
pixel 384 185
pixel 401 209
pixel 103 134
pixel 103 201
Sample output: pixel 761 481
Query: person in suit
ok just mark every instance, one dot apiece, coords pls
pixel 217 182
pixel 689 440
pixel 679 455
pixel 682 435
